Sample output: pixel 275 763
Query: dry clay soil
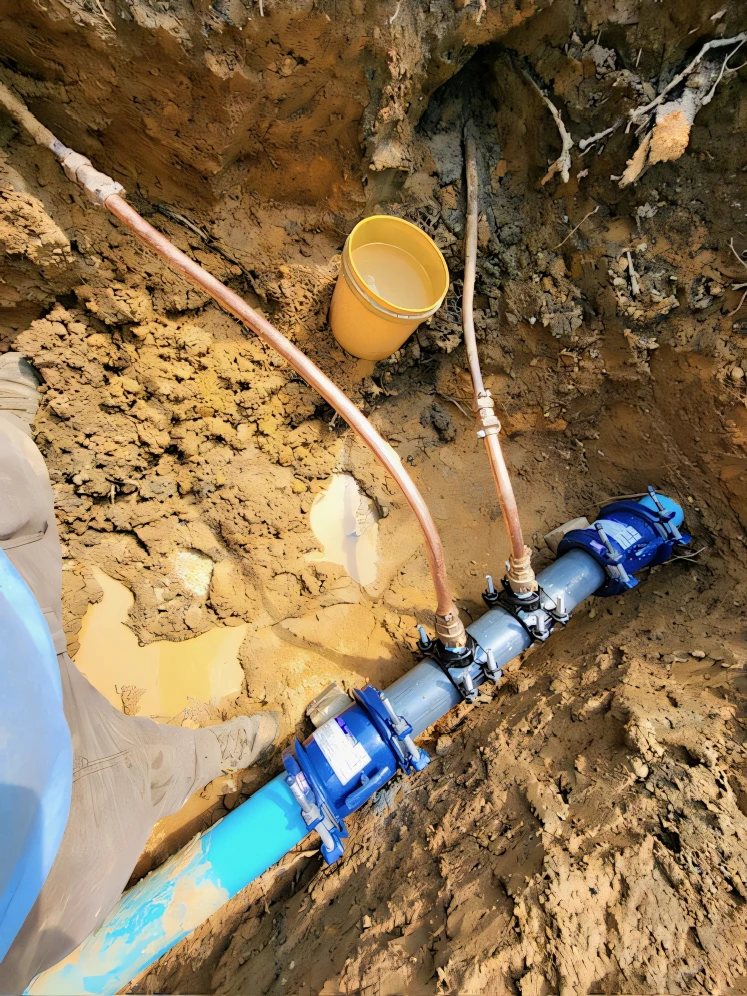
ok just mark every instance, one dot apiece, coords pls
pixel 582 827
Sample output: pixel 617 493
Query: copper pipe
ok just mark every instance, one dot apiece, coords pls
pixel 18 110
pixel 448 625
pixel 506 497
pixel 310 372
pixel 470 260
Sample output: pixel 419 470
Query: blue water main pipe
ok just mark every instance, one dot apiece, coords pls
pixel 193 884
pixel 172 901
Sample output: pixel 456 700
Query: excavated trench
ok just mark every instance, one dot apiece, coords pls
pixel 583 828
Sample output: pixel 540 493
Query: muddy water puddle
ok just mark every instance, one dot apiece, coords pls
pixel 345 522
pixel 163 676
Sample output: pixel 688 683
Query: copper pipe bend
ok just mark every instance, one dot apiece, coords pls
pixel 103 190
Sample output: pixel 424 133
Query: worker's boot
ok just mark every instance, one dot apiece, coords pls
pixel 18 388
pixel 246 739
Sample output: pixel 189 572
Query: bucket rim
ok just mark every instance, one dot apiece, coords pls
pixel 367 297
pixel 380 303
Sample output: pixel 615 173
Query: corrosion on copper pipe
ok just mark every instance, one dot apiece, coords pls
pixel 501 476
pixel 301 363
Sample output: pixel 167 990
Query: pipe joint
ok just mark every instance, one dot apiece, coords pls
pixel 450 630
pixel 628 536
pixel 346 761
pixel 489 423
pixel 520 574
pixel 98 186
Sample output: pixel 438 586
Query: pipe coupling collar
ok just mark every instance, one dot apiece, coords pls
pixel 98 186
pixel 489 423
pixel 520 574
pixel 450 630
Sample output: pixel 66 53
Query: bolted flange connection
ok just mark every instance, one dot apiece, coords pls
pixel 487 419
pixel 520 574
pixel 450 630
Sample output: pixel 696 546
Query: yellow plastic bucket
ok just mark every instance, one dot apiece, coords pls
pixel 393 276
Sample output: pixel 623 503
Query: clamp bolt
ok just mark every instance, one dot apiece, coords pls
pixel 490 596
pixel 620 571
pixel 310 811
pixel 399 725
pixel 491 669
pixel 669 526
pixel 557 610
pixel 468 687
pixel 425 644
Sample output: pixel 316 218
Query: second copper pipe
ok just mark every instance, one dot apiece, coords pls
pixel 505 490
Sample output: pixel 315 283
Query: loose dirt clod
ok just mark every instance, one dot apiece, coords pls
pixel 584 828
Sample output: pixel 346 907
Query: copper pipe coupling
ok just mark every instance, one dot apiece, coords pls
pixel 520 574
pixel 489 422
pixel 450 630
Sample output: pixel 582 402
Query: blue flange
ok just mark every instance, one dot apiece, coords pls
pixel 628 536
pixel 345 761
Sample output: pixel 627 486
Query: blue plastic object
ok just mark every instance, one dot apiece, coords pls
pixel 36 757
pixel 340 766
pixel 628 536
pixel 669 505
pixel 175 898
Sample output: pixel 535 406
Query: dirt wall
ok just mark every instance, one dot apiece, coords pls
pixel 583 828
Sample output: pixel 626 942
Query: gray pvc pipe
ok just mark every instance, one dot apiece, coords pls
pixel 170 902
pixel 425 694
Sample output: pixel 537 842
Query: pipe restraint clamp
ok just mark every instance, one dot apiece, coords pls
pixel 333 774
pixel 628 536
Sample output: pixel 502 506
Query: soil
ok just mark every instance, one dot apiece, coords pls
pixel 582 828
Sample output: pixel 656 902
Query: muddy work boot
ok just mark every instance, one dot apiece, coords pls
pixel 246 739
pixel 19 396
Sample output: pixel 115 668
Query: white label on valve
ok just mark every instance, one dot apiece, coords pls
pixel 344 754
pixel 624 536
